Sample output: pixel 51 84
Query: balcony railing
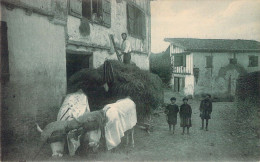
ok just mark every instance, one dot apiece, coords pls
pixel 181 70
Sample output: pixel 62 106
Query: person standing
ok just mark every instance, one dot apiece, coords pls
pixel 185 115
pixel 172 110
pixel 126 49
pixel 205 110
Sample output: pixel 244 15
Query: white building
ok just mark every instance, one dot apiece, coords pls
pixel 211 65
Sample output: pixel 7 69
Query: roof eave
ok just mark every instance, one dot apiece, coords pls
pixel 223 50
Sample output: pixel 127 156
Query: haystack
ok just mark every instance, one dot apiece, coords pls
pixel 142 86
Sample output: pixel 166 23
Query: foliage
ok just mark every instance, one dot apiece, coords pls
pixel 160 64
pixel 248 100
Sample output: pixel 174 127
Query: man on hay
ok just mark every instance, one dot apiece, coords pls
pixel 126 49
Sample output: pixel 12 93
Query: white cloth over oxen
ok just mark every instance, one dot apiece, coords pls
pixel 74 106
pixel 121 117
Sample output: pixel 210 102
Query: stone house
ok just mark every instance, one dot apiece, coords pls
pixel 43 42
pixel 212 66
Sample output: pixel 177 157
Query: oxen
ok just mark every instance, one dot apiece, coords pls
pixel 67 128
pixel 120 119
pixel 75 122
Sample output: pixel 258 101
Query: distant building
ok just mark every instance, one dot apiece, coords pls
pixel 211 65
pixel 43 42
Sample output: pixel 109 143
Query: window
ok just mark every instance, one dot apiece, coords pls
pixel 98 11
pixel 209 61
pixel 4 53
pixel 253 61
pixel 136 23
pixel 180 60
pixel 233 61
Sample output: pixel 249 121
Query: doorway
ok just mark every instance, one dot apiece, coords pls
pixel 179 84
pixel 75 62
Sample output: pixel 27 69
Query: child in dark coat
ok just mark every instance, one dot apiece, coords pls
pixel 185 115
pixel 205 110
pixel 171 111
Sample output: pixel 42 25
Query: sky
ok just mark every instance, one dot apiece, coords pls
pixel 210 19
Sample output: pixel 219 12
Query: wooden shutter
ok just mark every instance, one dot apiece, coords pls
pixel 184 61
pixel 250 61
pixel 143 25
pixel 130 19
pixel 100 9
pixel 4 53
pixel 178 60
pixel 137 23
pixel 209 61
pixel 106 6
pixel 253 61
pixel 86 8
pixel 75 8
pixel 233 61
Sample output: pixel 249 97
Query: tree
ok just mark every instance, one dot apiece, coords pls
pixel 160 64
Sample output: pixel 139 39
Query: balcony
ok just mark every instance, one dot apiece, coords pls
pixel 181 70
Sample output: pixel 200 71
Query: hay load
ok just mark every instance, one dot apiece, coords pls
pixel 142 86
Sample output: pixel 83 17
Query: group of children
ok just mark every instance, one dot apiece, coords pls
pixel 185 112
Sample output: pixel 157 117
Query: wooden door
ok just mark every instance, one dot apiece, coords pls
pixel 176 84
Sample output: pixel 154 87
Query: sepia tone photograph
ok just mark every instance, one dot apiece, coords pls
pixel 130 80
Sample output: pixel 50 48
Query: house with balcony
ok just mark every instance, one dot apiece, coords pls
pixel 212 66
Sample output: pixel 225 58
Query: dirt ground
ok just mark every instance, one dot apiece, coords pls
pixel 220 143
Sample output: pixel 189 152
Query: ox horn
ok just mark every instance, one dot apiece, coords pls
pixel 39 128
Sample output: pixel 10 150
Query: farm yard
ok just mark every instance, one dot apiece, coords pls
pixel 92 71
pixel 226 140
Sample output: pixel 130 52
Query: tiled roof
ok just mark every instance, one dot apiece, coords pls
pixel 193 44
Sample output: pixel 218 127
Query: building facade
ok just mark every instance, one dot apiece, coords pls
pixel 211 65
pixel 88 29
pixel 44 42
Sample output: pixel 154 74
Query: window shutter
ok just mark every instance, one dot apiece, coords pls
pixel 178 60
pixel 209 60
pixel 75 8
pixel 130 19
pixel 143 26
pixel 233 61
pixel 4 53
pixel 106 6
pixel 100 8
pixel 184 61
pixel 137 24
pixel 86 9
pixel 255 61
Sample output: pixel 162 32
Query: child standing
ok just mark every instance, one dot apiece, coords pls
pixel 185 115
pixel 171 110
pixel 205 110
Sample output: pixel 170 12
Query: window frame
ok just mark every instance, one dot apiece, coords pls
pixel 183 60
pixel 233 61
pixel 143 32
pixel 208 63
pixel 79 14
pixel 252 62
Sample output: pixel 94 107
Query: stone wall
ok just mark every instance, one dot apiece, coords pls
pixel 37 61
pixel 220 80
